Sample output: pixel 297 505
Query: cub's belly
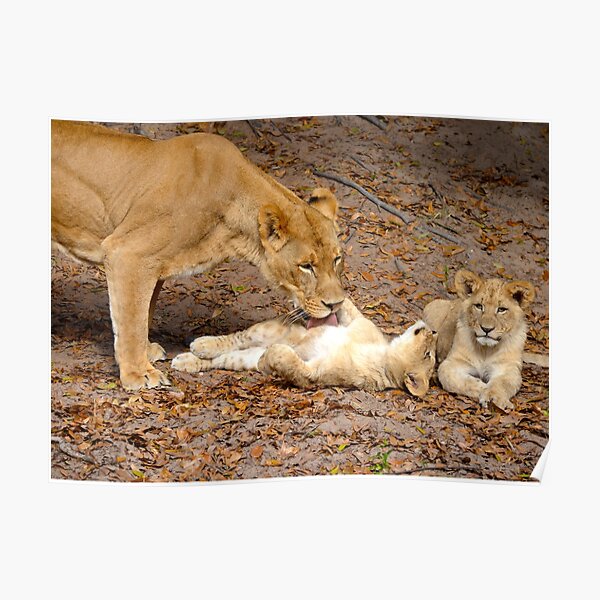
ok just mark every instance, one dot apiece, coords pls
pixel 330 341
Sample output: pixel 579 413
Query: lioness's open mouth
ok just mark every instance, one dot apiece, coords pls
pixel 328 320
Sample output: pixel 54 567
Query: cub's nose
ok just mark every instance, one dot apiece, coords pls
pixel 332 306
pixel 486 330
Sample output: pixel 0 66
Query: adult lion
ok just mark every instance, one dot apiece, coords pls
pixel 148 210
pixel 481 336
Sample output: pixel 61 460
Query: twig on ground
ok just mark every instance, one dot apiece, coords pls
pixel 64 447
pixel 281 131
pixel 441 468
pixel 385 206
pixel 449 228
pixel 442 234
pixel 374 121
pixel 438 195
pixel 348 182
pixel 257 132
pixel 359 162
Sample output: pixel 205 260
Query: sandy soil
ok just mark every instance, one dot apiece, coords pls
pixel 484 184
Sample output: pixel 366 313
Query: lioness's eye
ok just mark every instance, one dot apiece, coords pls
pixel 479 306
pixel 501 309
pixel 307 268
pixel 336 261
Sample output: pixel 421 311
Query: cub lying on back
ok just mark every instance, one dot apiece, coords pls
pixel 481 337
pixel 345 350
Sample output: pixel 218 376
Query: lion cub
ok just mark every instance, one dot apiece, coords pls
pixel 481 337
pixel 345 350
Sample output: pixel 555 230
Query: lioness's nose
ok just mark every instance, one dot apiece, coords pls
pixel 486 330
pixel 332 306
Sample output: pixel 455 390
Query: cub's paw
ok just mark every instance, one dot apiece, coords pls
pixel 207 346
pixel 136 380
pixel 156 352
pixel 497 399
pixel 275 359
pixel 189 363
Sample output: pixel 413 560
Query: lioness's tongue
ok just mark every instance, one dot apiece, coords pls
pixel 330 320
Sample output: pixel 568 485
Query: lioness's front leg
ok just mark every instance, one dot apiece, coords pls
pixel 455 377
pixel 283 361
pixel 131 283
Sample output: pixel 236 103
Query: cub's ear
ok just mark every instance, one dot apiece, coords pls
pixel 416 384
pixel 466 283
pixel 325 202
pixel 272 227
pixel 521 291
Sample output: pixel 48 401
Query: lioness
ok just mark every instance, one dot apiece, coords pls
pixel 149 210
pixel 481 337
pixel 347 351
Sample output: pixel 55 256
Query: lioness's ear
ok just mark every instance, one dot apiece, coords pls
pixel 272 226
pixel 466 283
pixel 522 291
pixel 325 202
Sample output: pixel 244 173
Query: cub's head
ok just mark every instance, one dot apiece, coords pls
pixel 415 349
pixel 302 252
pixel 492 308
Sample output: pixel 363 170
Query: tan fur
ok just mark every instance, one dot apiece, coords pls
pixel 355 354
pixel 487 367
pixel 150 210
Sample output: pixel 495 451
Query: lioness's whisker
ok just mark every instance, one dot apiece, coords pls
pixel 293 316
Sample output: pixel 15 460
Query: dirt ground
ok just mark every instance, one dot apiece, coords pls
pixel 482 185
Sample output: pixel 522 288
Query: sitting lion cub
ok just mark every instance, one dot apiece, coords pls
pixel 345 350
pixel 481 337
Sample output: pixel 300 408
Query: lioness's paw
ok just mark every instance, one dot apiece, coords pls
pixel 206 346
pixel 150 378
pixel 156 352
pixel 189 363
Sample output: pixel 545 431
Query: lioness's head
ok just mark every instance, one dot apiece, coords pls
pixel 492 308
pixel 302 252
pixel 415 349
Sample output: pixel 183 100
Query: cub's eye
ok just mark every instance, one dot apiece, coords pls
pixel 336 261
pixel 307 268
pixel 501 309
pixel 478 306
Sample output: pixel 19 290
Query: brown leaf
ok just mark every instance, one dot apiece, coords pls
pixel 256 451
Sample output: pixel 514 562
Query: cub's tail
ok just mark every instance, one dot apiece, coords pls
pixel 541 360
